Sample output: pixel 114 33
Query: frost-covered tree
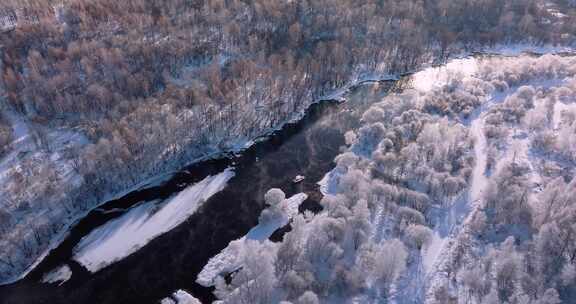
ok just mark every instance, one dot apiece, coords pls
pixel 418 235
pixel 389 263
pixel 407 175
pixel 274 197
pixel 308 297
pixel 568 274
pixel 359 226
pixel 550 296
pixel 256 281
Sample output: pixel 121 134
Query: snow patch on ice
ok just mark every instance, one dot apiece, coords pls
pixel 59 275
pixel 125 235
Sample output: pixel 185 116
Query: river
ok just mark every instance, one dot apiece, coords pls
pixel 173 260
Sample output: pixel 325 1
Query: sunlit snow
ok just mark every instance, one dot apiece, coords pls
pixel 125 235
pixel 432 77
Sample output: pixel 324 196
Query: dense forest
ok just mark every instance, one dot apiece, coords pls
pixel 462 192
pixel 98 96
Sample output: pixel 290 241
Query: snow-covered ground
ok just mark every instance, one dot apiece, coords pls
pixel 437 253
pixel 125 235
pixel 517 149
pixel 29 158
pixel 327 185
pixel 520 48
pixel 438 76
pixel 439 148
pixel 21 140
pixel 228 260
pixel 479 180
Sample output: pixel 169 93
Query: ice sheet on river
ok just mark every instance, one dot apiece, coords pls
pixel 227 261
pixel 59 275
pixel 125 235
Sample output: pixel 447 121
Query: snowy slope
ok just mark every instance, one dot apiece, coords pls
pixel 34 162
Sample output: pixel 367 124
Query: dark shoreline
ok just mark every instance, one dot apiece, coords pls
pixel 172 260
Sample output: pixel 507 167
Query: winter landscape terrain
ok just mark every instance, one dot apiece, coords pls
pixel 458 190
pixel 263 151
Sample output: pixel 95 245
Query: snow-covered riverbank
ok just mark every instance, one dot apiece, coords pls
pixel 439 178
pixel 20 264
pixel 230 259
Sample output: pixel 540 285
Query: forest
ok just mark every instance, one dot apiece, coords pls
pixel 446 194
pixel 98 96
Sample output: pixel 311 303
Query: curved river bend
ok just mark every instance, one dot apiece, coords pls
pixel 173 260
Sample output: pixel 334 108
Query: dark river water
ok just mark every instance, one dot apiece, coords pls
pixel 173 260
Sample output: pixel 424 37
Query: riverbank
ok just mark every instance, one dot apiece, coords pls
pixel 441 183
pixel 158 179
pixel 304 148
pixel 240 144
